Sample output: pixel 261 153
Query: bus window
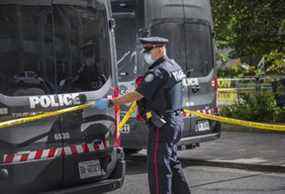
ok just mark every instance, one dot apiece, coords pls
pixel 57 49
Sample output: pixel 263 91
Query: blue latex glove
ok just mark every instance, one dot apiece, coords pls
pixel 102 104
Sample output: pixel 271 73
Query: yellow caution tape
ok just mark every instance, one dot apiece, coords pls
pixel 248 91
pixel 132 109
pixel 45 115
pixel 128 115
pixel 21 121
pixel 263 126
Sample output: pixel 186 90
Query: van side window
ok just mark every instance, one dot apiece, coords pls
pixel 126 46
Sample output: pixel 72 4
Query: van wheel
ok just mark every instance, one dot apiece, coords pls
pixel 130 151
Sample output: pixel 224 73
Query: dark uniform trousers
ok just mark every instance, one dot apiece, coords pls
pixel 165 173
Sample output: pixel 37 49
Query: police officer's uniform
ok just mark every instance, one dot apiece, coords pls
pixel 162 93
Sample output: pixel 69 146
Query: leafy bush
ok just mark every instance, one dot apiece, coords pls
pixel 275 63
pixel 259 108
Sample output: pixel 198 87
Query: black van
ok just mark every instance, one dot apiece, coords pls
pixel 52 51
pixel 189 27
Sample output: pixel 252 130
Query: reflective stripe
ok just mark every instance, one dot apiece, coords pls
pixel 32 155
pixel 79 149
pixel 58 152
pixel 73 149
pixel 8 158
pixel 105 143
pixel 96 147
pixel 85 148
pixel 91 147
pixel 24 157
pixel 38 154
pixel 53 152
pixel 67 151
pixel 45 154
pixel 101 146
pixel 17 158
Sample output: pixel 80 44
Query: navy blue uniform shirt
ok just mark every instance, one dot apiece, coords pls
pixel 153 80
pixel 158 86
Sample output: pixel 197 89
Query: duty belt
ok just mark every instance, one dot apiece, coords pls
pixel 176 112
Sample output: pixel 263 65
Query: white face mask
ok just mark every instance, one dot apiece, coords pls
pixel 148 59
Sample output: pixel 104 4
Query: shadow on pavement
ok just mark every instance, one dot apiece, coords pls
pixel 136 164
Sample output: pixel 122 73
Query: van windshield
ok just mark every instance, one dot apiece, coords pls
pixel 53 49
pixel 189 44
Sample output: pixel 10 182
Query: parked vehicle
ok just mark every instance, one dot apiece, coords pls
pixel 69 45
pixel 189 27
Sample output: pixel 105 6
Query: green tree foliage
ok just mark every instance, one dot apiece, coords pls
pixel 275 62
pixel 259 108
pixel 253 28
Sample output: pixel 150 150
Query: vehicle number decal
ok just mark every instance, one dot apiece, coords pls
pixel 3 111
pixel 61 136
pixel 203 126
pixel 88 169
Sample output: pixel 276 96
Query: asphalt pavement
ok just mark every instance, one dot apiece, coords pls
pixel 237 163
pixel 209 180
pixel 249 150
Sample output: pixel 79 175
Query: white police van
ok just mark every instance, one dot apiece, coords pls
pixel 189 27
pixel 51 51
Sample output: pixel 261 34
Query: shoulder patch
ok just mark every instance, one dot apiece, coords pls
pixel 149 77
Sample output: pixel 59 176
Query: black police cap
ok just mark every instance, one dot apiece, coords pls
pixel 154 40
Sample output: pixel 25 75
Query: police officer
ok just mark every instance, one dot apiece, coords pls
pixel 161 94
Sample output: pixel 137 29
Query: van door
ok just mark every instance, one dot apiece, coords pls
pixel 188 26
pixel 85 68
pixel 201 82
pixel 30 155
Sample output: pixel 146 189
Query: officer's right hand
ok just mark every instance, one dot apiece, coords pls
pixel 101 104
